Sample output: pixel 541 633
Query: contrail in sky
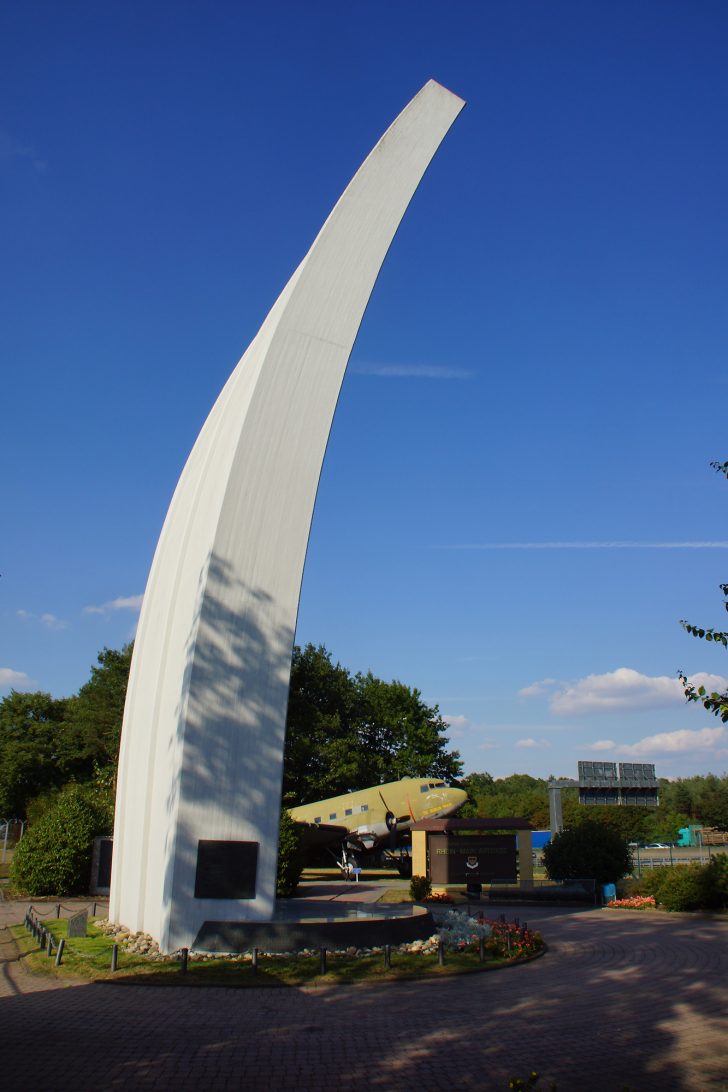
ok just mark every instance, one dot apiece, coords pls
pixel 608 545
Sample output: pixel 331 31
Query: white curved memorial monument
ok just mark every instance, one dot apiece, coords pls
pixel 202 743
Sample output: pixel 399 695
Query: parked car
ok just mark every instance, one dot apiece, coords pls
pixel 657 845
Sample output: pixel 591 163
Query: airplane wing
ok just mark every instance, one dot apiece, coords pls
pixel 320 834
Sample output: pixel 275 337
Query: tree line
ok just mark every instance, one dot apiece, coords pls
pixel 344 731
pixel 701 799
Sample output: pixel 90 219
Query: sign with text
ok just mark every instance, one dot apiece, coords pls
pixel 473 858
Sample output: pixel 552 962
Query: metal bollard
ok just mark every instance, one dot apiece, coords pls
pixel 254 961
pixel 114 957
pixel 58 909
pixel 49 946
pixel 59 952
pixel 93 911
pixel 441 954
pixel 322 969
pixel 388 956
pixel 481 949
pixel 184 953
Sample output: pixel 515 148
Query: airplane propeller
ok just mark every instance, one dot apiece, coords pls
pixel 391 820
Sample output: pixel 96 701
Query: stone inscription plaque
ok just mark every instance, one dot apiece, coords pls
pixel 470 859
pixel 77 924
pixel 226 870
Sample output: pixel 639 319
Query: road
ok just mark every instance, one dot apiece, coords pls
pixel 622 1000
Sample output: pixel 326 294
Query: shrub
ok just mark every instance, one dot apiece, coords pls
pixel 420 888
pixel 684 887
pixel 589 850
pixel 290 856
pixel 54 857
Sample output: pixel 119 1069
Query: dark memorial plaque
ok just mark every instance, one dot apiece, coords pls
pixel 226 870
pixel 77 924
pixel 472 859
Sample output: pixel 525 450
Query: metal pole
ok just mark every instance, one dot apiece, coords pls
pixel 441 954
pixel 322 968
pixel 481 949
pixel 59 952
pixel 183 960
pixel 254 961
pixel 388 956
pixel 58 909
pixel 5 839
pixel 114 957
pixel 49 946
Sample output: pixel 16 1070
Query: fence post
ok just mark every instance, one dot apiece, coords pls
pixel 183 960
pixel 59 952
pixel 49 946
pixel 481 949
pixel 58 909
pixel 114 957
pixel 441 953
pixel 322 967
pixel 388 956
pixel 254 961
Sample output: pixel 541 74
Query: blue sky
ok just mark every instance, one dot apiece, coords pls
pixel 516 506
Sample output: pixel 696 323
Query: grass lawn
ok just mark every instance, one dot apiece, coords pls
pixel 90 958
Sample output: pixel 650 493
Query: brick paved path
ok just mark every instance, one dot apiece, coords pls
pixel 622 1000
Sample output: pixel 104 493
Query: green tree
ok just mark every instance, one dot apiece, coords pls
pixel 347 732
pixel 290 856
pixel 54 857
pixel 714 702
pixel 587 851
pixel 95 714
pixel 33 757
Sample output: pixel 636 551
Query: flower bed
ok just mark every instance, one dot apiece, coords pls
pixel 636 902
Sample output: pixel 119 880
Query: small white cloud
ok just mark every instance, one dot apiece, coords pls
pixel 13 149
pixel 535 690
pixel 50 621
pixel 601 745
pixel 627 690
pixel 530 744
pixel 487 745
pixel 413 371
pixel 129 602
pixel 16 679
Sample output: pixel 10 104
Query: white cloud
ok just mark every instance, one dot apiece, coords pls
pixel 530 744
pixel 682 741
pixel 50 621
pixel 622 690
pixel 17 679
pixel 536 689
pixel 129 602
pixel 413 371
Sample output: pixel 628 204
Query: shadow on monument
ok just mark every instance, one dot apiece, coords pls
pixel 237 658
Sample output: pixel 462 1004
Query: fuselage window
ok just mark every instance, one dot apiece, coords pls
pixel 317 819
pixel 424 788
pixel 333 815
pixel 348 811
pixel 364 807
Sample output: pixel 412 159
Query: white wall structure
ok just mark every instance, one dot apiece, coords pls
pixel 202 740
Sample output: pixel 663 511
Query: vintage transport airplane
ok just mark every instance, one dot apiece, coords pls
pixel 373 819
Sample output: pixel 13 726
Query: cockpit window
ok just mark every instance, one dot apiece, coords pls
pixel 440 785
